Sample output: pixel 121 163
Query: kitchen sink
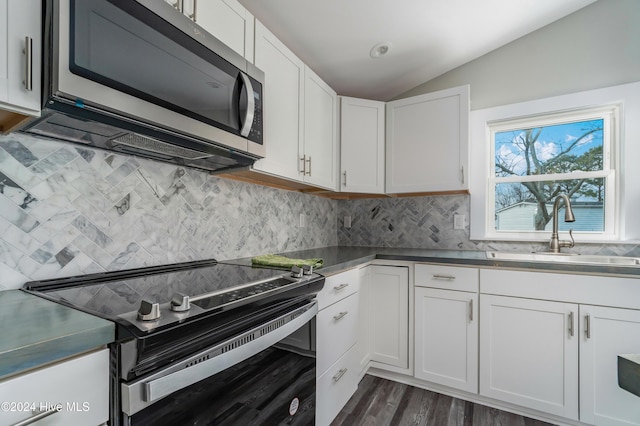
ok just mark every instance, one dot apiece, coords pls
pixel 565 258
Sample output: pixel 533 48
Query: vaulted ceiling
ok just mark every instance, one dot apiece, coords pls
pixel 425 38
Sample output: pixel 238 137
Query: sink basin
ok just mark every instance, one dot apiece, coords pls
pixel 565 258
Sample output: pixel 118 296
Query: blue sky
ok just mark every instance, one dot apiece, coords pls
pixel 551 142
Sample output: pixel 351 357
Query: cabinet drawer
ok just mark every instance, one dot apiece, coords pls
pixel 447 277
pixel 78 388
pixel 337 287
pixel 336 386
pixel 337 331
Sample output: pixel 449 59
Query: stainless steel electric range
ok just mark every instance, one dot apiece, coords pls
pixel 204 342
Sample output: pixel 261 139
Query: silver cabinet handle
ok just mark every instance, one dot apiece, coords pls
pixel 462 174
pixel 193 15
pixel 37 415
pixel 344 181
pixel 181 5
pixel 28 53
pixel 444 277
pixel 471 310
pixel 340 315
pixel 571 324
pixel 304 165
pixel 587 326
pixel 309 161
pixel 339 374
pixel 251 106
pixel 341 287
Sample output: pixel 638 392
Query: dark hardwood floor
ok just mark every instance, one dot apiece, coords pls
pixel 382 402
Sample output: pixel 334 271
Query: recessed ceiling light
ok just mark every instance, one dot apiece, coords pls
pixel 380 49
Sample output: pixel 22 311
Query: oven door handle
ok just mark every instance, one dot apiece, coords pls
pixel 144 392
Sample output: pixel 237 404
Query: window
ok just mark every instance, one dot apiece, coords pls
pixel 534 159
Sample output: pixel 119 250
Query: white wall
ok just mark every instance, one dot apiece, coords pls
pixel 597 46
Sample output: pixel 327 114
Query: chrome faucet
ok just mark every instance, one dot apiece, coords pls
pixel 555 243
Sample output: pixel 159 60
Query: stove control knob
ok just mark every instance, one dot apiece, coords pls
pixel 180 303
pixel 296 272
pixel 307 269
pixel 149 311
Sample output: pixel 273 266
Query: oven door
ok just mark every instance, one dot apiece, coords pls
pixel 263 376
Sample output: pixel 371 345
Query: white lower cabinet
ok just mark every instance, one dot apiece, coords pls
pixel 446 326
pixel 529 353
pixel 338 326
pixel 336 386
pixel 389 319
pixel 337 356
pixel 364 327
pixel 446 338
pixel 76 392
pixel 604 334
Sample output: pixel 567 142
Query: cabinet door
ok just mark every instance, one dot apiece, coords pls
pixel 362 146
pixel 20 23
pixel 229 22
pixel 446 345
pixel 320 146
pixel 363 345
pixel 427 142
pixel 284 79
pixel 605 333
pixel 529 353
pixel 390 315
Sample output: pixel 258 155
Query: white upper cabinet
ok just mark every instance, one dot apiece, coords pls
pixel 427 142
pixel 226 20
pixel 283 90
pixel 362 145
pixel 20 58
pixel 229 22
pixel 319 147
pixel 300 116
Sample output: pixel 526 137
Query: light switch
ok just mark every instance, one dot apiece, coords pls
pixel 347 221
pixel 458 221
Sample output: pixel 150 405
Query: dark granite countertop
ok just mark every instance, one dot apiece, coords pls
pixel 338 258
pixel 37 332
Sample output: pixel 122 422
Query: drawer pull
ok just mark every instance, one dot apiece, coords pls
pixel 340 287
pixel 340 316
pixel 339 375
pixel 37 415
pixel 471 310
pixel 443 277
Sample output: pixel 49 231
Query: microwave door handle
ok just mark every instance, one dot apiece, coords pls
pixel 251 106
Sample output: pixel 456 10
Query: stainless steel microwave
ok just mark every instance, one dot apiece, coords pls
pixel 139 77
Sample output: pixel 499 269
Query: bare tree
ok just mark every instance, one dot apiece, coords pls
pixel 529 161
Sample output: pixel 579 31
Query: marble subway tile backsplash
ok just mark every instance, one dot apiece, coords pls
pixel 67 210
pixel 427 222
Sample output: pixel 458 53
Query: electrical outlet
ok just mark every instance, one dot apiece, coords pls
pixel 303 220
pixel 347 221
pixel 458 221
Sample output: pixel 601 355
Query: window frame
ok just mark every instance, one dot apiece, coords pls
pixel 610 168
